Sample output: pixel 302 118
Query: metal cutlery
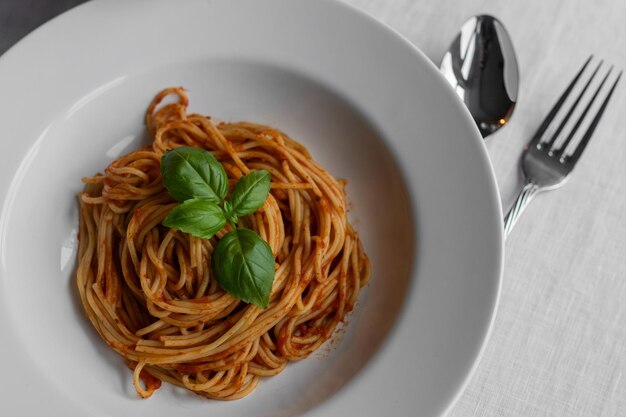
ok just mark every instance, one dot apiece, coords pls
pixel 549 158
pixel 481 66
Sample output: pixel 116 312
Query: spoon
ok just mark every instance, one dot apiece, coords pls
pixel 482 67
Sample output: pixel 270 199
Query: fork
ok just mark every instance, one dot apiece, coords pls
pixel 546 166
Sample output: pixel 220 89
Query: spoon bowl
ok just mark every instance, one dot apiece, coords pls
pixel 481 66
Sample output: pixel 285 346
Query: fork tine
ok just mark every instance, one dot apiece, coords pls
pixel 563 147
pixel 550 143
pixel 546 122
pixel 585 139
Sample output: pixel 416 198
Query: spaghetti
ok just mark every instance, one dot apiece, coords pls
pixel 149 292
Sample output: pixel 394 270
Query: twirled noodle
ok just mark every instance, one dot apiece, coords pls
pixel 149 291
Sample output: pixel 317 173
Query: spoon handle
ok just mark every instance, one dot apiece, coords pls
pixel 525 196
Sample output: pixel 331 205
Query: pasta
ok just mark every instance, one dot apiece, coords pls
pixel 149 292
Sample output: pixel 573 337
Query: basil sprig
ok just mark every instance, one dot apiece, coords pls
pixel 242 262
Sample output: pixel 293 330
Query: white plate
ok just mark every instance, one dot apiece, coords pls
pixel 367 104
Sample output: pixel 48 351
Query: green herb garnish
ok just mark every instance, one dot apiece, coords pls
pixel 250 193
pixel 242 263
pixel 248 263
pixel 200 218
pixel 193 173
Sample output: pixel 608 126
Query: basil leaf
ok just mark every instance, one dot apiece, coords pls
pixel 199 218
pixel 243 265
pixel 229 213
pixel 193 173
pixel 250 192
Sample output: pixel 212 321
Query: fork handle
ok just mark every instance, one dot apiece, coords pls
pixel 524 197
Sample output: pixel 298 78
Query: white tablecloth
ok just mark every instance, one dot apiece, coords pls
pixel 558 346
